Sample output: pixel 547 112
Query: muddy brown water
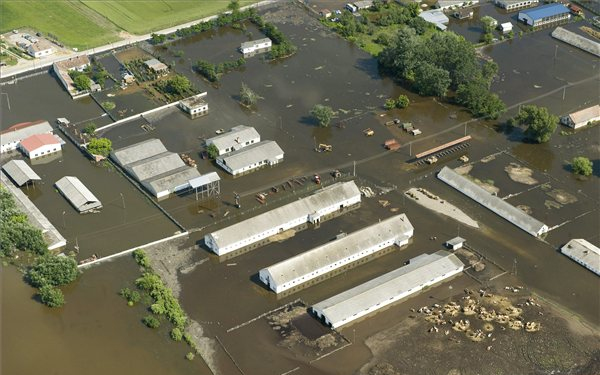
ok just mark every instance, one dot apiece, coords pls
pixel 325 70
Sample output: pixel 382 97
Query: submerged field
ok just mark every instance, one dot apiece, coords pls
pixel 141 16
pixel 74 24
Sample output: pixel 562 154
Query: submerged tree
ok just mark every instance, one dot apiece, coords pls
pixel 540 123
pixel 100 146
pixel 247 96
pixel 582 166
pixel 322 114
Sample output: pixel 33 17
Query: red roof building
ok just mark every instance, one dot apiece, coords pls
pixel 40 144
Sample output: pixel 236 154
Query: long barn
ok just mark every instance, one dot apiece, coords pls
pixel 254 232
pixel 321 262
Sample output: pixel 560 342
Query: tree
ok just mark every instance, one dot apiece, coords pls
pixel 176 334
pixel 487 38
pixel 51 296
pixel 89 128
pixel 82 82
pixel 158 38
pixel 247 96
pixel 476 96
pixel 52 270
pixel 431 80
pixel 322 114
pixel 150 321
pixel 582 166
pixel 234 6
pixel 100 146
pixel 212 151
pixel 179 85
pixel 389 104
pixel 540 123
pixel 402 101
pixel 488 24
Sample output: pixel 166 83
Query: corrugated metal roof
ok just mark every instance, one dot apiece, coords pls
pixel 419 271
pixel 204 180
pixel 138 151
pixel 544 11
pixel 235 138
pixel 20 172
pixel 76 193
pixel 252 43
pixel 155 165
pixel 248 228
pixel 492 202
pixel 257 152
pixel 171 180
pixel 435 16
pixel 22 131
pixel 586 115
pixel 583 252
pixel 332 252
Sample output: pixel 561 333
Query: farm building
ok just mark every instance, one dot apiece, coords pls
pixel 545 14
pixel 582 118
pixel 194 105
pixel 62 69
pixel 455 4
pixel 11 137
pixel 325 13
pixel 436 17
pixel 515 4
pixel 463 14
pixel 363 4
pixel 455 243
pixel 156 66
pixel 160 171
pixel 38 145
pixel 77 194
pixel 583 253
pixel 238 137
pixel 505 27
pixel 497 205
pixel 40 48
pixel 422 271
pixel 315 265
pixel 20 172
pixel 254 232
pixel 254 47
pixel 257 155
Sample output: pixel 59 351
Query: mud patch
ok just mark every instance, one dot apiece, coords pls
pixel 562 196
pixel 520 174
pixel 464 169
pixel 435 203
pixel 550 204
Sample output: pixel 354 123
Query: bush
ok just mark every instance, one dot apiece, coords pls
pixel 108 105
pixel 51 297
pixel 150 321
pixel 52 270
pixel 100 146
pixel 176 334
pixel 190 356
pixel 90 127
pixel 582 166
pixel 322 114
pixel 82 82
pixel 389 104
pixel 132 296
pixel 141 258
pixel 402 101
pixel 213 151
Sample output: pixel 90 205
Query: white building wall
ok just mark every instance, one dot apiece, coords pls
pixel 9 146
pixel 390 300
pixel 44 150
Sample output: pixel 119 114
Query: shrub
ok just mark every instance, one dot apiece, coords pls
pixel 141 258
pixel 90 127
pixel 108 105
pixel 402 101
pixel 132 296
pixel 151 322
pixel 389 104
pixel 51 297
pixel 176 334
pixel 100 146
pixel 322 114
pixel 190 356
pixel 582 166
pixel 53 271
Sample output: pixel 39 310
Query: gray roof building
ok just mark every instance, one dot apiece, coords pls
pixel 436 17
pixel 238 137
pixel 309 209
pixel 156 65
pixel 492 202
pixel 583 253
pixel 77 194
pixel 20 172
pixel 251 157
pixel 160 171
pixel 326 258
pixel 422 271
pixel 10 137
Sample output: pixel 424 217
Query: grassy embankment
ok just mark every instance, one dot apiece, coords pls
pixel 141 16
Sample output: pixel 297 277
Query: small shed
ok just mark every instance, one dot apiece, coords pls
pixel 325 13
pixel 505 27
pixel 156 66
pixel 455 243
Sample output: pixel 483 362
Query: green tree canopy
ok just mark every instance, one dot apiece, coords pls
pixel 247 96
pixel 479 100
pixel 82 82
pixel 582 166
pixel 431 80
pixel 540 123
pixel 52 270
pixel 179 85
pixel 51 296
pixel 100 146
pixel 323 114
pixel 213 151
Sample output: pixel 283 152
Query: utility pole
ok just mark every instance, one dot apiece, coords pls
pixel 122 200
pixel 64 222
pixel 564 92
pixel 354 168
pixel 514 270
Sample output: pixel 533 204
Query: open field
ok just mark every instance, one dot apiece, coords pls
pixel 74 24
pixel 141 16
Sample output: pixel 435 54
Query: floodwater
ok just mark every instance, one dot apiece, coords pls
pixel 325 70
pixel 94 333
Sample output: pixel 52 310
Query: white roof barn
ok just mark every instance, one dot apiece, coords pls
pixel 422 271
pixel 583 117
pixel 583 253
pixel 20 172
pixel 251 157
pixel 77 194
pixel 237 138
pixel 10 137
pixel 436 17
pixel 249 233
pixel 310 265
pixel 138 151
pixel 492 202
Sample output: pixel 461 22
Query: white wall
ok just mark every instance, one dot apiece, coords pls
pixel 44 150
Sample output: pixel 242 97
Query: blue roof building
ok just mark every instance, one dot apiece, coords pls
pixel 545 14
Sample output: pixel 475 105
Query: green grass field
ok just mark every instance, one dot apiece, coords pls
pixel 72 22
pixel 143 16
